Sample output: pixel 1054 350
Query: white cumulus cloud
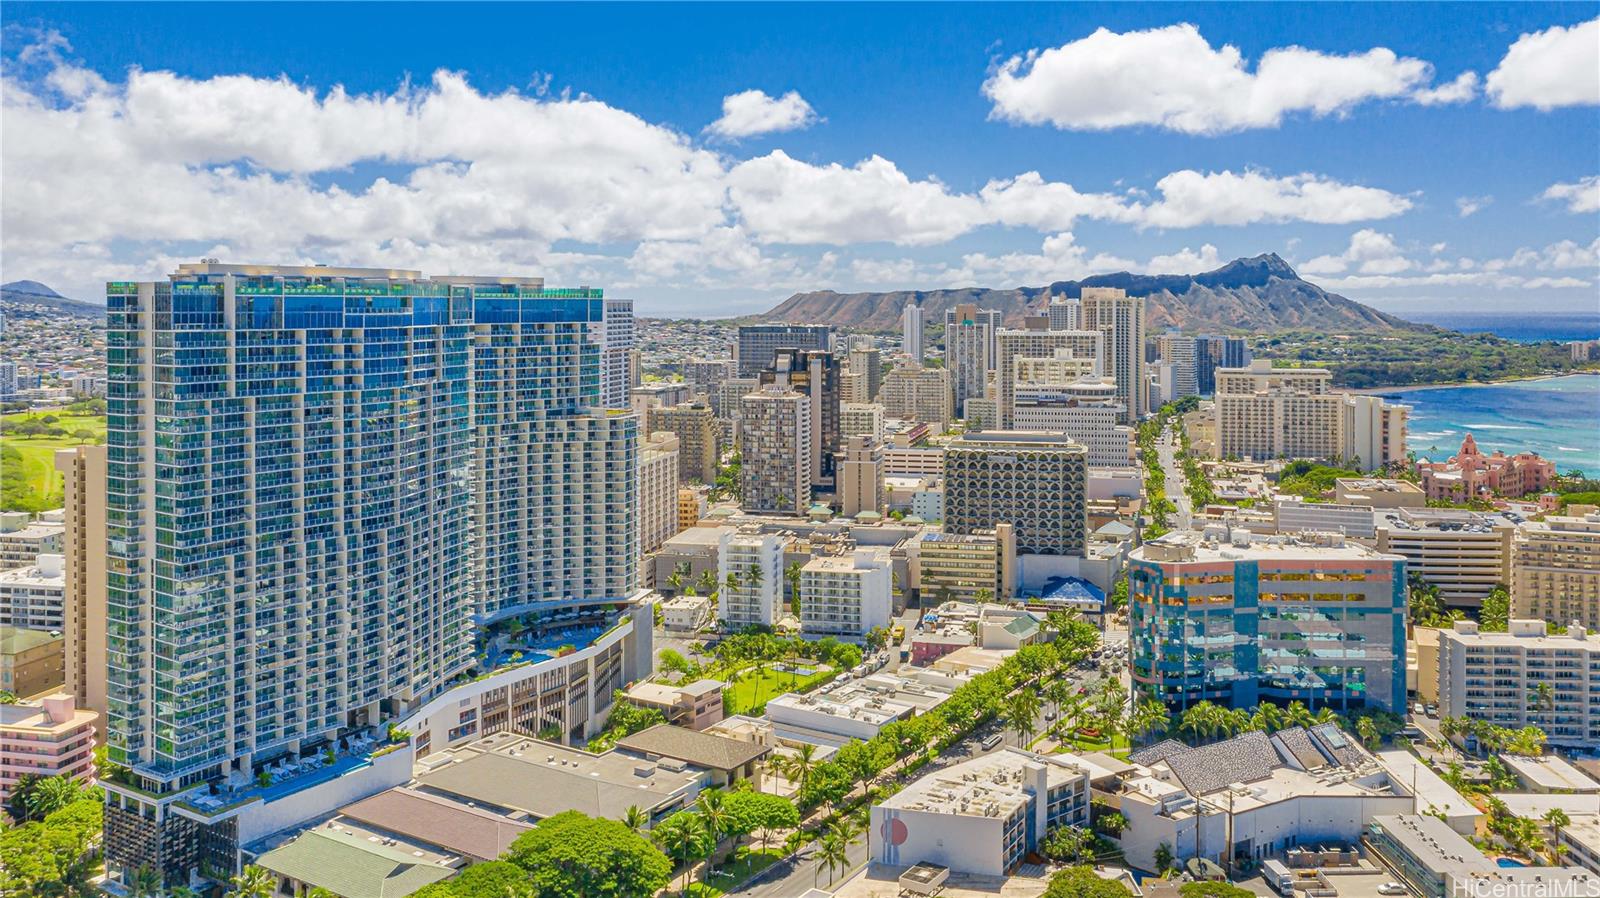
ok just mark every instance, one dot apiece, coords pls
pixel 751 112
pixel 1548 69
pixel 1369 252
pixel 1190 198
pixel 1185 261
pixel 1174 78
pixel 1580 196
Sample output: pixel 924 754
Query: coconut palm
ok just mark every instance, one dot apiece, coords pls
pixel 681 837
pixel 1542 698
pixel 253 882
pixel 1022 713
pixel 1268 718
pixel 1557 820
pixel 834 852
pixel 717 821
pixel 146 883
pixel 635 818
pixel 797 769
pixel 707 583
pixel 1368 731
pixel 1297 714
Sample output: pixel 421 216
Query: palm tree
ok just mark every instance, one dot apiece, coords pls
pixel 182 892
pixel 635 818
pixel 1021 713
pixel 253 882
pixel 1268 718
pixel 707 582
pixel 1149 717
pixel 1556 819
pixel 1542 698
pixel 680 836
pixel 146 883
pixel 1058 692
pixel 716 820
pixel 800 764
pixel 834 852
pixel 1297 714
pixel 50 794
pixel 1163 857
pixel 1368 731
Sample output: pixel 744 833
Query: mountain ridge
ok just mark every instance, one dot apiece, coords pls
pixel 1258 294
pixel 15 294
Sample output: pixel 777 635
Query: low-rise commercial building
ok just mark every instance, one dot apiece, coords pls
pixel 1436 862
pixel 47 737
pixel 692 552
pixel 1248 798
pixel 686 613
pixel 727 760
pixel 31 661
pixel 981 816
pixel 1230 617
pixel 34 597
pixel 695 705
pixel 1488 676
pixel 955 566
pixel 1378 492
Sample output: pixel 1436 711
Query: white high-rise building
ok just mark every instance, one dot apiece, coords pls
pixel 756 562
pixel 846 595
pixel 1120 319
pixel 860 419
pixel 914 393
pixel 1087 411
pixel 1179 351
pixel 911 331
pixel 1036 356
pixel 1065 314
pixel 617 343
pixel 1263 412
pixel 1490 676
pixel 969 352
pixel 1556 570
pixel 658 491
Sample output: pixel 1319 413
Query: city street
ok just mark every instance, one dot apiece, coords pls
pixel 1167 451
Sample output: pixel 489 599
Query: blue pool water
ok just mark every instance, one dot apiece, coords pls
pixel 1508 862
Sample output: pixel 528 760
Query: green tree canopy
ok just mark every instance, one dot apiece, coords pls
pixel 1081 882
pixel 572 855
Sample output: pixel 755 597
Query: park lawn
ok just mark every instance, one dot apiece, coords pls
pixel 1075 742
pixel 733 872
pixel 750 691
pixel 29 480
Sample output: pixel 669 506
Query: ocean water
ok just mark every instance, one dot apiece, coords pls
pixel 1560 326
pixel 1557 417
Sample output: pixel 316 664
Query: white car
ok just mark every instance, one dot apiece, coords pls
pixel 1392 888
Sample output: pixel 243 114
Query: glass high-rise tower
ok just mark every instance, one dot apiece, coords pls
pixel 287 498
pixel 556 474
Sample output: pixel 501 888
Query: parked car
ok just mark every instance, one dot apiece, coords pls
pixel 990 743
pixel 1392 888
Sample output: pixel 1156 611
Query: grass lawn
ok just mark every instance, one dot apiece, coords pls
pixel 28 477
pixel 732 872
pixel 750 692
pixel 1075 742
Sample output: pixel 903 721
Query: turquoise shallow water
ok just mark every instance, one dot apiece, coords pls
pixel 1557 417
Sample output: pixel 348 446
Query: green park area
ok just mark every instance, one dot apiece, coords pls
pixel 749 692
pixel 28 442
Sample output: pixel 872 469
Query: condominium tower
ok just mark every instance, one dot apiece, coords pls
pixel 617 346
pixel 696 429
pixel 556 480
pixel 1064 314
pixel 1036 482
pixel 83 469
pixel 1490 676
pixel 911 331
pixel 1033 354
pixel 757 343
pixel 1555 568
pixel 776 448
pixel 816 374
pixel 287 511
pixel 1120 320
pixel 913 393
pixel 969 351
pixel 1263 412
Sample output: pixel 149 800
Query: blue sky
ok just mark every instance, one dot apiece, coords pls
pixel 923 146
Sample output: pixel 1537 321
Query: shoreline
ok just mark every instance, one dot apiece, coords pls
pixel 1412 388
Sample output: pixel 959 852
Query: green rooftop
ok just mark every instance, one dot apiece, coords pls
pixel 15 640
pixel 351 867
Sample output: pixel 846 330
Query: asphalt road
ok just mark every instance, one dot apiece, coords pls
pixel 803 871
pixel 1166 451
